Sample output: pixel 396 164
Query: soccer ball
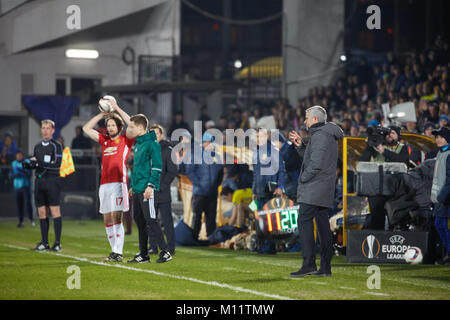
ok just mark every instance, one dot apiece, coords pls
pixel 413 255
pixel 105 105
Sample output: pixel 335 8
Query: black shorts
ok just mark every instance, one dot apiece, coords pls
pixel 47 191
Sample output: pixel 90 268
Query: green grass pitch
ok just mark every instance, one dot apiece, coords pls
pixel 195 273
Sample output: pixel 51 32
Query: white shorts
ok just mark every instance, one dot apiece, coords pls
pixel 113 197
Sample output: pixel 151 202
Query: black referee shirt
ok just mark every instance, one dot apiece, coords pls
pixel 49 157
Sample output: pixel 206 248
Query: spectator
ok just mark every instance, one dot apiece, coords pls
pixel 428 128
pixel 411 127
pixel 179 123
pixel 241 211
pixel 434 113
pixel 292 162
pixel 241 197
pixel 205 179
pixel 443 121
pixel 354 130
pixel 8 148
pixel 346 125
pixel 269 177
pixel 204 117
pixel 209 125
pixel 266 185
pixel 223 123
pixel 81 141
pixel 185 154
pixel 22 188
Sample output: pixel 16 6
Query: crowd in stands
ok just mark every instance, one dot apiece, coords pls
pixel 355 98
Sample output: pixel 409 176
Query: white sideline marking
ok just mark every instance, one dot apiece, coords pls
pixel 319 283
pixel 377 293
pixel 209 283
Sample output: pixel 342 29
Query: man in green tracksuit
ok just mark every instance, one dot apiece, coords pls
pixel 144 181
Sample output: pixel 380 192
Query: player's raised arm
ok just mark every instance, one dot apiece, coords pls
pixel 88 128
pixel 123 114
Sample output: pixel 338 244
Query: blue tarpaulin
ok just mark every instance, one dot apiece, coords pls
pixel 57 108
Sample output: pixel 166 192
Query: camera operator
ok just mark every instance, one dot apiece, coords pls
pixel 382 146
pixel 47 157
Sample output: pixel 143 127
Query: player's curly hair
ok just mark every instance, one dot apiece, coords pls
pixel 117 119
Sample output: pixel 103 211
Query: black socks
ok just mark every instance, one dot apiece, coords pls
pixel 44 230
pixel 57 225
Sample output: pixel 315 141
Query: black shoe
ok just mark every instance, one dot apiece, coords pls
pixel 139 259
pixel 56 247
pixel 303 272
pixel 153 251
pixel 320 273
pixel 164 256
pixel 42 247
pixel 109 258
pixel 117 257
pixel 114 257
pixel 172 252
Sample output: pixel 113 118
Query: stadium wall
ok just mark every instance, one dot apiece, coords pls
pixel 313 40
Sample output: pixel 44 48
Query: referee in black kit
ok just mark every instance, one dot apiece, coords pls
pixel 47 157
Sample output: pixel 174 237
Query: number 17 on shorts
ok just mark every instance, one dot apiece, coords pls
pixel 113 197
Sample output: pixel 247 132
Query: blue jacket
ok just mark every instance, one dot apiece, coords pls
pixel 20 175
pixel 205 178
pixel 260 182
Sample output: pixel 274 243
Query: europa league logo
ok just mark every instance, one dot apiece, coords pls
pixel 373 245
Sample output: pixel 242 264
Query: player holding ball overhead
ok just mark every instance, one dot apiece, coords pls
pixel 113 191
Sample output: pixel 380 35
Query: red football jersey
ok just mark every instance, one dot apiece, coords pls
pixel 114 158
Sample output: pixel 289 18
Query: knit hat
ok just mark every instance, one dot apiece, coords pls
pixel 428 125
pixel 445 118
pixel 444 132
pixel 207 137
pixel 374 123
pixel 398 130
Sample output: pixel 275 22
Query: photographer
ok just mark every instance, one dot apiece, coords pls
pixel 382 146
pixel 47 157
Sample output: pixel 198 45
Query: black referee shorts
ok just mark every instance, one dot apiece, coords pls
pixel 47 191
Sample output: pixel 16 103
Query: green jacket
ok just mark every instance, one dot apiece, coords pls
pixel 147 163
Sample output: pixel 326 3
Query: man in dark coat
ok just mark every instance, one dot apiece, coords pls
pixel 316 186
pixel 163 199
